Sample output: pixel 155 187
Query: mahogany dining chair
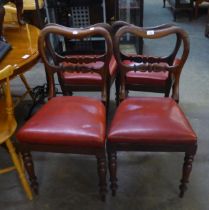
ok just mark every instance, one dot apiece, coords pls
pixel 69 124
pixel 155 124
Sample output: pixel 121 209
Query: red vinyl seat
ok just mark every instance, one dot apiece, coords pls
pixel 150 123
pixel 71 125
pixel 151 120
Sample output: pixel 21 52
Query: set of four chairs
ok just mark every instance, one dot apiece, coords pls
pixel 78 124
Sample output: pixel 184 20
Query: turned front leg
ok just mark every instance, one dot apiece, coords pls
pixel 28 162
pixel 112 162
pixel 102 171
pixel 187 168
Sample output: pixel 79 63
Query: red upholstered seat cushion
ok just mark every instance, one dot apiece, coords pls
pixel 150 120
pixel 146 78
pixel 75 78
pixel 73 120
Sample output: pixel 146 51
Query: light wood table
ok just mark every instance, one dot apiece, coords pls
pixel 24 53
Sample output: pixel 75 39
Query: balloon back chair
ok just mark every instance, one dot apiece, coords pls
pixel 150 123
pixel 104 62
pixel 68 124
pixel 7 128
pixel 158 82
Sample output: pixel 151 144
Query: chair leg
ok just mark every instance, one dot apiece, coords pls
pixel 187 168
pixel 65 90
pixel 112 162
pixel 107 101
pixel 174 15
pixel 164 3
pixel 166 95
pixel 117 88
pixel 28 162
pixel 102 171
pixel 191 14
pixel 196 10
pixel 19 169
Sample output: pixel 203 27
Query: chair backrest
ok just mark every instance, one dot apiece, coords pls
pixel 54 61
pixel 153 63
pixel 7 122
